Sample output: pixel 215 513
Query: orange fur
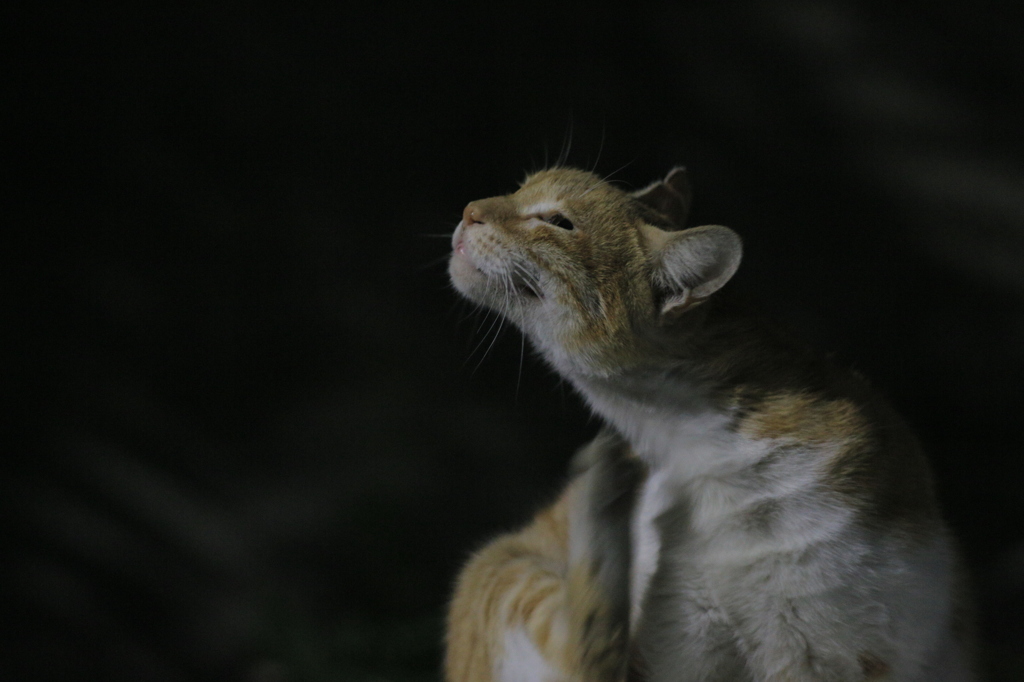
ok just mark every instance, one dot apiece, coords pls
pixel 517 580
pixel 526 580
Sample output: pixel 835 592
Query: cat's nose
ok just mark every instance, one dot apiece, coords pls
pixel 472 214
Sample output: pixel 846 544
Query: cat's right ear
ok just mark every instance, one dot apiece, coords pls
pixel 690 265
pixel 671 197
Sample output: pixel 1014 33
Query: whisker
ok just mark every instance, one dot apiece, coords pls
pixel 506 284
pixel 620 168
pixel 519 376
pixel 481 342
pixel 600 148
pixel 491 345
pixel 605 178
pixel 529 279
pixel 563 156
pixel 486 315
pixel 468 311
pixel 434 262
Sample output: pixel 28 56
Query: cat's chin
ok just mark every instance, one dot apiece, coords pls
pixel 466 276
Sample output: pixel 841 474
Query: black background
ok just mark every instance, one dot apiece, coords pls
pixel 252 438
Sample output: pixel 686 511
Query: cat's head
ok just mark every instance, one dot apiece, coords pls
pixel 586 269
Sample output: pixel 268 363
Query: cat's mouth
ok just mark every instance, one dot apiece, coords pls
pixel 460 253
pixel 459 244
pixel 519 281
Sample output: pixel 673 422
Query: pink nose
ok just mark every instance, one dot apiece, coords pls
pixel 472 214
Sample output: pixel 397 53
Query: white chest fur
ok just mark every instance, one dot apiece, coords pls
pixel 763 555
pixel 646 540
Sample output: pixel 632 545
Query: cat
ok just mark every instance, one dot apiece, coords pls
pixel 750 511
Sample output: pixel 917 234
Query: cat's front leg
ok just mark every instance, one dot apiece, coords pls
pixel 600 552
pixel 550 603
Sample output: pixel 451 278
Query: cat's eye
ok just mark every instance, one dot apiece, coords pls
pixel 559 220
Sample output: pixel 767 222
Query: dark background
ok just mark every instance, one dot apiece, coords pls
pixel 252 438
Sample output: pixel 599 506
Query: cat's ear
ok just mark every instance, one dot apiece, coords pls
pixel 671 197
pixel 690 265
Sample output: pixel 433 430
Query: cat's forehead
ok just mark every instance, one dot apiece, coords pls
pixel 550 189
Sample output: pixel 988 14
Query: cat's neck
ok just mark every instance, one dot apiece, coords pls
pixel 670 421
pixel 679 409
